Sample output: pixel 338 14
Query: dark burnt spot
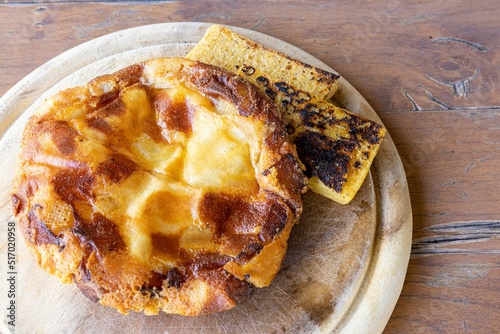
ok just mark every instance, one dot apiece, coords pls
pixel 285 102
pixel 289 97
pixel 283 87
pixel 276 218
pixel 173 114
pixel 153 286
pixel 248 70
pixel 101 233
pixel 312 117
pixel 358 164
pixel 263 81
pixel 321 117
pixel 237 289
pixel 364 130
pixel 249 252
pixel 290 129
pixel 99 124
pixel 117 167
pixel 38 233
pixel 270 93
pixel 300 97
pixel 17 204
pixel 73 185
pixel 166 245
pixel 324 158
pixel 175 278
pixel 156 280
pixel 207 262
pixel 25 191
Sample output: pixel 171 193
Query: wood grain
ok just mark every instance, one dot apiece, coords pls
pixel 429 68
pixel 451 160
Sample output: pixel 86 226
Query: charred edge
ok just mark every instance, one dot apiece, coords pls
pixel 249 100
pixel 315 116
pixel 17 204
pixel 292 178
pixel 39 233
pixel 85 284
pixel 238 290
pixel 173 278
pixel 276 219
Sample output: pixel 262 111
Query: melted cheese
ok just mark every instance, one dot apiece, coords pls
pixel 143 185
pixel 218 155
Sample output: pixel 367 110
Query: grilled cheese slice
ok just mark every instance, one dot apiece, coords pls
pixel 223 48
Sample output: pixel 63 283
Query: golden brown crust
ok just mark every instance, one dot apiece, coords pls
pixel 237 53
pixel 121 171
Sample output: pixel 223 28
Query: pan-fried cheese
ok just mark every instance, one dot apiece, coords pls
pixel 161 187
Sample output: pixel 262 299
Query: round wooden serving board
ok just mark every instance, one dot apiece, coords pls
pixel 345 265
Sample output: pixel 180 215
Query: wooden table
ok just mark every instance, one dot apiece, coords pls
pixel 430 70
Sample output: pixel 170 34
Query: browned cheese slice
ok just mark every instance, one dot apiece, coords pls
pixel 167 186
